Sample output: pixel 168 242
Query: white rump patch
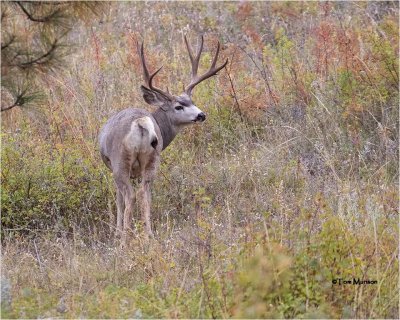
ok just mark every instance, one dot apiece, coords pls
pixel 141 135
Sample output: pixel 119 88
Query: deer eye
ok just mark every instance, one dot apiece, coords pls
pixel 179 108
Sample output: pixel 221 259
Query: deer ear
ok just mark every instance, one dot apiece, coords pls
pixel 152 97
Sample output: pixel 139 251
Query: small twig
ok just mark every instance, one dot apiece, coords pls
pixel 322 104
pixel 41 266
pixel 263 73
pixel 234 92
pixel 38 257
pixel 182 285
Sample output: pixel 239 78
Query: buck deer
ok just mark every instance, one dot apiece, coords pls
pixel 131 141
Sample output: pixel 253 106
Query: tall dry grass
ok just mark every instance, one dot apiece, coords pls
pixel 289 184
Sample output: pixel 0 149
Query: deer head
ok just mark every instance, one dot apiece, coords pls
pixel 180 109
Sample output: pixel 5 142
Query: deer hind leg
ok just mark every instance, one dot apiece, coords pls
pixel 120 212
pixel 145 196
pixel 128 197
pixel 146 204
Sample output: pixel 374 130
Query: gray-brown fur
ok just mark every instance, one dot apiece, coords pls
pixel 168 132
pixel 132 139
pixel 115 130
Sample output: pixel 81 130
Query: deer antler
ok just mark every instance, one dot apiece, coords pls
pixel 195 65
pixel 148 78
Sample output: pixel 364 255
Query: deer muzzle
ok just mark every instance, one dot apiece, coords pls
pixel 201 117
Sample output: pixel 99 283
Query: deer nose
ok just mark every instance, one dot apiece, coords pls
pixel 201 117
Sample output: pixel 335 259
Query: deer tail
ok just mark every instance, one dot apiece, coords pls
pixel 149 136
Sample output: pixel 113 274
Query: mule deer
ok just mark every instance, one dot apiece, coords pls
pixel 132 139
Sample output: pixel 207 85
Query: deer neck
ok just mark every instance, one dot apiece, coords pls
pixel 167 129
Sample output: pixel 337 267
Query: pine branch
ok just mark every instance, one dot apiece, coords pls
pixel 41 60
pixel 36 19
pixel 3 14
pixel 37 60
pixel 19 101
pixel 44 50
pixel 23 96
pixel 8 43
pixel 9 107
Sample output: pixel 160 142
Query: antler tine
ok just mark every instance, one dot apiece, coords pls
pixel 194 61
pixel 189 49
pixel 200 48
pixel 151 78
pixel 143 60
pixel 148 78
pixel 197 60
pixel 215 57
pixel 195 64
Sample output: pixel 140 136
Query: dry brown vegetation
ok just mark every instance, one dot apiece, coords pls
pixel 291 182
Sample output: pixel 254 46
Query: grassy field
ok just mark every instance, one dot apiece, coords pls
pixel 286 192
